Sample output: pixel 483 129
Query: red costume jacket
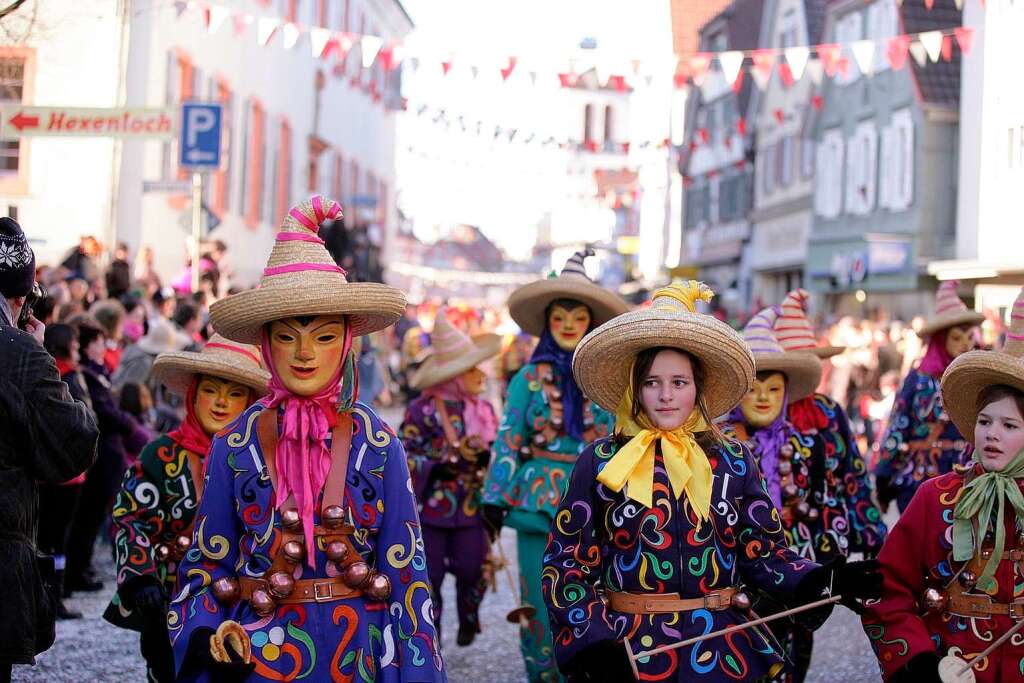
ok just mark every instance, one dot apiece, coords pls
pixel 918 554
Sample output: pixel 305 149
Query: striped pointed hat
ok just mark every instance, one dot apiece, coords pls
pixel 793 330
pixel 452 352
pixel 220 358
pixel 950 311
pixel 971 373
pixel 801 368
pixel 300 279
pixel 528 304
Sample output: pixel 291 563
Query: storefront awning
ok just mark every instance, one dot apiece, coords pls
pixel 978 272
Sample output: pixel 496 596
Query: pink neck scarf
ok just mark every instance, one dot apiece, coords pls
pixel 477 413
pixel 936 358
pixel 303 459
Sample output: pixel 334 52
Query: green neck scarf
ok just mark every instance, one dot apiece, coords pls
pixel 974 509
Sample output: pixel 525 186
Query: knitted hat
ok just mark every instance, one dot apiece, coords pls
pixel 300 279
pixel 17 261
pixel 971 373
pixel 793 330
pixel 950 311
pixel 220 358
pixel 527 304
pixel 452 352
pixel 802 369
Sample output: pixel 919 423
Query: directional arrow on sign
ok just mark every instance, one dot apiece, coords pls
pixel 21 122
pixel 196 156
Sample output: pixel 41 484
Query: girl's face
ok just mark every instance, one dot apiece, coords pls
pixel 999 434
pixel 219 402
pixel 669 393
pixel 959 340
pixel 307 352
pixel 473 381
pixel 568 326
pixel 765 400
pixel 96 349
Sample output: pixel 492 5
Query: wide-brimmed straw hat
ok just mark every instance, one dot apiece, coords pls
pixel 603 362
pixel 971 373
pixel 452 352
pixel 793 330
pixel 301 279
pixel 802 369
pixel 220 358
pixel 528 303
pixel 162 337
pixel 950 311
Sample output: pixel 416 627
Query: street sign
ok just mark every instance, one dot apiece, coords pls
pixel 17 121
pixel 173 186
pixel 199 145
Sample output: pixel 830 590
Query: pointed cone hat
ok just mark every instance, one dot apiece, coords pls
pixel 950 311
pixel 802 369
pixel 527 304
pixel 300 279
pixel 971 373
pixel 793 330
pixel 220 358
pixel 452 352
pixel 603 362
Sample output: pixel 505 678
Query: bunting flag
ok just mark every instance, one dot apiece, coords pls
pixel 215 17
pixel 829 55
pixel 932 42
pixel 816 70
pixel 730 63
pixel 917 51
pixel 796 59
pixel 964 38
pixel 897 50
pixel 700 63
pixel 864 55
pixel 509 68
pixel 763 60
pixel 319 38
pixel 265 29
pixel 290 34
pixel 369 46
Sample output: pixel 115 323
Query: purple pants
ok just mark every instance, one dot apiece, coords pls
pixel 460 551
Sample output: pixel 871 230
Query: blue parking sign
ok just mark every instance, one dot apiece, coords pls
pixel 199 146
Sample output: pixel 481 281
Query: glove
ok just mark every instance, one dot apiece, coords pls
pixel 855 581
pixel 150 599
pixel 603 662
pixel 494 518
pixel 198 659
pixel 443 471
pixel 922 668
pixel 885 491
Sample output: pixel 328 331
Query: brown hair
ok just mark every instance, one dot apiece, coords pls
pixel 642 366
pixel 997 392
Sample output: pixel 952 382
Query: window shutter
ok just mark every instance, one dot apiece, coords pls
pixel 870 147
pixel 885 169
pixel 836 184
pixel 853 155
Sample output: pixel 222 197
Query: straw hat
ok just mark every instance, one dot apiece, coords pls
pixel 162 338
pixel 802 369
pixel 793 331
pixel 971 373
pixel 452 352
pixel 301 278
pixel 604 358
pixel 950 311
pixel 528 303
pixel 220 358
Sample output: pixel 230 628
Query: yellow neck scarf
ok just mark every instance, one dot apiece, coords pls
pixel 685 461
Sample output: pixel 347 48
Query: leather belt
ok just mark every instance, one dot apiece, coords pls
pixel 970 605
pixel 306 590
pixel 661 603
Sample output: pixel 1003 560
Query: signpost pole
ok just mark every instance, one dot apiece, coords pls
pixel 197 226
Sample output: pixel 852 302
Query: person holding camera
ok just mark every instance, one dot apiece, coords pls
pixel 46 437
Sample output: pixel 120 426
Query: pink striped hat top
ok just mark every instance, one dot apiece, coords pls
pixel 946 299
pixel 792 329
pixel 759 332
pixel 950 310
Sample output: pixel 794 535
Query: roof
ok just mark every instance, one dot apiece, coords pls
pixel 938 83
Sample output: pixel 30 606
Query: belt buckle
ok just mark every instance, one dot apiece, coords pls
pixel 713 601
pixel 1016 611
pixel 324 596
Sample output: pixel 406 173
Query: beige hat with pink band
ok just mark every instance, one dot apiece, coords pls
pixel 793 330
pixel 453 352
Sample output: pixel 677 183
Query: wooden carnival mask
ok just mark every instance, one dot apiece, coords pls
pixel 568 324
pixel 766 399
pixel 219 402
pixel 307 351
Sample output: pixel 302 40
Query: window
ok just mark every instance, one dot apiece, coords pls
pixel 786 161
pixel 12 91
pixel 609 125
pixel 255 154
pixel 282 199
pixel 789 30
pixel 323 12
pixel 806 158
pixel 588 123
pixel 828 192
pixel 903 160
pixel 883 24
pixel 222 179
pixel 714 208
pixel 767 169
pixel 179 86
pixel 861 165
pixel 849 28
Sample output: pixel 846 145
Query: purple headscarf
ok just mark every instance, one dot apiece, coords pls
pixel 768 441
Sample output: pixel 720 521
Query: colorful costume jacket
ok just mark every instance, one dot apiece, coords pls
pixel 238 530
pixel 921 441
pixel 919 554
pixel 454 503
pixel 156 504
pixel 601 537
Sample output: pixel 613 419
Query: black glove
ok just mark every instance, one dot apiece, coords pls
pixel 855 581
pixel 150 599
pixel 494 518
pixel 922 668
pixel 198 659
pixel 603 662
pixel 885 491
pixel 443 471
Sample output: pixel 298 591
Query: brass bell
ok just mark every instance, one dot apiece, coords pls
pixel 281 584
pixel 333 516
pixel 813 515
pixel 790 490
pixel 356 574
pixel 161 552
pixel 802 509
pixel 293 551
pixel 786 451
pixel 935 600
pixel 183 543
pixel 336 551
pixel 785 467
pixel 290 519
pixel 378 587
pixel 968 579
pixel 741 601
pixel 226 590
pixel 262 603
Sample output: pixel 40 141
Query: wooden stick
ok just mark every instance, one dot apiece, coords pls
pixel 737 627
pixel 991 648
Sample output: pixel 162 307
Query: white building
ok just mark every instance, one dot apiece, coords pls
pixel 295 124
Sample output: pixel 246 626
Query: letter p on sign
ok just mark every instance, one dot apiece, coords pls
pixel 199 145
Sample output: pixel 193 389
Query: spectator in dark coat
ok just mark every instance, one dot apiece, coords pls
pixel 45 436
pixel 119 273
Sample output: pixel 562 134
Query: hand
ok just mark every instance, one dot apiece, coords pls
pixel 35 328
pixel 150 599
pixel 855 581
pixel 603 661
pixel 493 517
pixel 922 668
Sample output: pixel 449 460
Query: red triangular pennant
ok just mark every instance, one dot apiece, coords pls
pixel 737 85
pixel 763 61
pixel 896 51
pixel 780 115
pixel 507 71
pixel 929 4
pixel 618 83
pixel 699 65
pixel 568 80
pixel 446 66
pixel 786 74
pixel 964 37
pixel 680 80
pixel 947 48
pixel 829 56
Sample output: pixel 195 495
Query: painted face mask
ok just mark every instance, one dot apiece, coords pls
pixel 568 326
pixel 219 402
pixel 307 351
pixel 765 401
pixel 959 340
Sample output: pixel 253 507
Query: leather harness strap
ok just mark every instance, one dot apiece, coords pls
pixel 306 590
pixel 664 603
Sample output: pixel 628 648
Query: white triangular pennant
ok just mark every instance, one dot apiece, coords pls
pixel 760 77
pixel 265 28
pixel 959 4
pixel 318 37
pixel 816 70
pixel 796 57
pixel 932 41
pixel 864 55
pixel 218 15
pixel 730 62
pixel 917 51
pixel 290 34
pixel 369 47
